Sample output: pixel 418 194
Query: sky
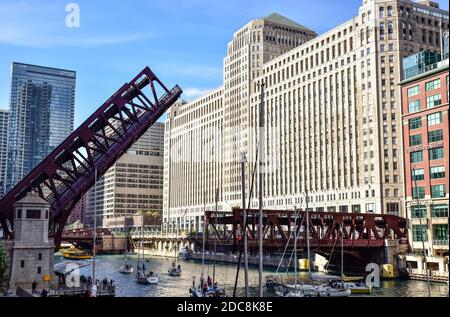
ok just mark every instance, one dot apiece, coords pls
pixel 182 41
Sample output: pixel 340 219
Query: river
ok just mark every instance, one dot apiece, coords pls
pixel 108 266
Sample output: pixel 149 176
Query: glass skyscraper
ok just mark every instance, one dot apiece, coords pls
pixel 42 102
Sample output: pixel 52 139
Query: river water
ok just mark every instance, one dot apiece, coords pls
pixel 108 266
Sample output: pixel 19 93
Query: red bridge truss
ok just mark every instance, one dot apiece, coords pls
pixel 67 173
pixel 359 230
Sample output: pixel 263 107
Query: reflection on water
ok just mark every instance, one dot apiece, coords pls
pixel 108 266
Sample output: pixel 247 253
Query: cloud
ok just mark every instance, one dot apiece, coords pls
pixel 193 93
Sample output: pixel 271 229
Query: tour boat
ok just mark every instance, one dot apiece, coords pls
pixel 76 254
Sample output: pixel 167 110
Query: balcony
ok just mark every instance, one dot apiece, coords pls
pixel 440 242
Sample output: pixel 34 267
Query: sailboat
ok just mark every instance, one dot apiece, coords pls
pixel 141 276
pixel 205 289
pixel 355 283
pixel 175 270
pixel 318 286
pixel 126 268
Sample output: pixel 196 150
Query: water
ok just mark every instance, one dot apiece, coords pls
pixel 126 286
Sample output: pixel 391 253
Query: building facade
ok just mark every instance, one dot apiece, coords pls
pixel 133 184
pixel 4 117
pixel 332 118
pixel 77 214
pixel 426 151
pixel 42 102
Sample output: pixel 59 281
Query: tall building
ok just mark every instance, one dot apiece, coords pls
pixel 133 184
pixel 425 93
pixel 42 101
pixel 332 118
pixel 4 117
pixel 77 214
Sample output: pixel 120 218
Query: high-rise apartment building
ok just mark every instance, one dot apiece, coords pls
pixel 42 101
pixel 4 117
pixel 425 108
pixel 332 118
pixel 133 184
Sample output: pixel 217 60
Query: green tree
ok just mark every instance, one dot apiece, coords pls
pixel 2 262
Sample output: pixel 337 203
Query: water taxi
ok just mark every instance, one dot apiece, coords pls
pixel 76 254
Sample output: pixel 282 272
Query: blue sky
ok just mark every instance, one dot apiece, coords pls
pixel 183 41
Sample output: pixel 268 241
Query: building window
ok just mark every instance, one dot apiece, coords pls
pixel 432 85
pixel 417 157
pixel 39 270
pixel 435 136
pixel 33 214
pixel 435 118
pixel 418 211
pixel 413 91
pixel 439 211
pixel 420 233
pixel 434 101
pixel 437 172
pixel 415 123
pixel 419 192
pixel 415 140
pixel 437 153
pixel 22 263
pixel 414 106
pixel 440 234
pixel 370 207
pixel 418 174
pixel 437 191
pixel 19 213
pixel 40 257
pixel 393 208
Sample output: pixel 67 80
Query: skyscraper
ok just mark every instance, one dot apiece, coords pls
pixel 42 101
pixel 332 117
pixel 134 183
pixel 4 116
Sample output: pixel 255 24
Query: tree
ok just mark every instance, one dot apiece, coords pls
pixel 2 262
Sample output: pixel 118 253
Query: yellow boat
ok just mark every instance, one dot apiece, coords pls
pixel 355 284
pixel 75 254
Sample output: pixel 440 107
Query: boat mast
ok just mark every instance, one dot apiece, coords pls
pixel 215 239
pixel 413 177
pixel 204 231
pixel 307 235
pixel 244 230
pixel 295 247
pixel 261 159
pixel 94 242
pixel 342 249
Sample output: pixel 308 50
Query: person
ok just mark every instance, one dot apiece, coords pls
pixel 151 273
pixel 44 293
pixel 216 286
pixel 209 281
pixel 143 267
pixel 202 280
pixel 179 268
pixel 205 289
pixel 193 281
pixel 33 287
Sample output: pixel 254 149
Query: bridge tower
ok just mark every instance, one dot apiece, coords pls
pixel 33 250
